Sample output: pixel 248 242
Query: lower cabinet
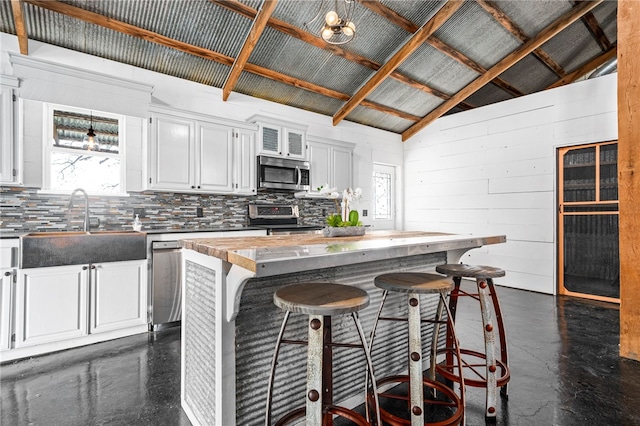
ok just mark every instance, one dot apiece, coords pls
pixel 6 307
pixel 79 303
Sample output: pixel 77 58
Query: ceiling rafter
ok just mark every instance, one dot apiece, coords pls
pixel 586 68
pixel 293 31
pixel 201 52
pixel 21 29
pixel 595 29
pixel 258 26
pixel 377 7
pixel 513 28
pixel 508 61
pixel 400 56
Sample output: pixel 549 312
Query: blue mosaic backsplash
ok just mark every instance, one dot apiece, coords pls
pixel 26 210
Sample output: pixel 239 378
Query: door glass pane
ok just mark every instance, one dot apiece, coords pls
pixel 609 172
pixel 382 195
pixel 580 175
pixel 591 261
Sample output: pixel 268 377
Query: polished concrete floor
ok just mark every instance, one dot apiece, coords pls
pixel 563 352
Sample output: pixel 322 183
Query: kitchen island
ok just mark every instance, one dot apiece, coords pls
pixel 230 325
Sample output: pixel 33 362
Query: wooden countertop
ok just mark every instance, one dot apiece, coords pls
pixel 276 254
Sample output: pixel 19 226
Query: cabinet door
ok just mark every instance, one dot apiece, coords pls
pixel 270 140
pixel 118 295
pixel 51 304
pixel 296 144
pixel 214 166
pixel 172 151
pixel 319 159
pixel 342 167
pixel 244 160
pixel 7 142
pixel 6 307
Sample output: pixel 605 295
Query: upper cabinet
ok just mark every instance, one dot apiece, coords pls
pixel 279 138
pixel 9 170
pixel 331 163
pixel 197 153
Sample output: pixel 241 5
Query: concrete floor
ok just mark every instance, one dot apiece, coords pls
pixel 565 370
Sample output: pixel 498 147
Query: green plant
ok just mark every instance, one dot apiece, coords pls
pixel 334 220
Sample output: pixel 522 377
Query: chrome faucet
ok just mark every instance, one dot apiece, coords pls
pixel 86 206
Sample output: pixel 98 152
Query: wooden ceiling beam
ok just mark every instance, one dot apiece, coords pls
pixel 508 61
pixel 492 8
pixel 400 56
pixel 152 37
pixel 293 31
pixel 21 28
pixel 395 18
pixel 250 42
pixel 586 68
pixel 590 21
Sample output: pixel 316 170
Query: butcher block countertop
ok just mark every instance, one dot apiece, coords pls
pixel 282 254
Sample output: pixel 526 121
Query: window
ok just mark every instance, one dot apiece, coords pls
pixel 383 196
pixel 73 160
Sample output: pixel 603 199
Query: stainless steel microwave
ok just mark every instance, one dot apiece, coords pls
pixel 283 173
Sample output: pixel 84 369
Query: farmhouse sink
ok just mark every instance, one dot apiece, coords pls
pixel 40 249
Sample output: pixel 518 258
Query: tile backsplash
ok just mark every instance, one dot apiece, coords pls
pixel 27 210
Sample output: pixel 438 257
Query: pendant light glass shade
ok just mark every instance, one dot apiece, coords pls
pixel 338 26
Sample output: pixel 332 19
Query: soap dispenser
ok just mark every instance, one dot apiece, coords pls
pixel 137 224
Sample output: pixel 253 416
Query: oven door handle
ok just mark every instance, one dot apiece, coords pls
pixel 299 176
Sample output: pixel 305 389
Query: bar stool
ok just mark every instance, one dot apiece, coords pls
pixel 320 301
pixel 415 284
pixel 490 378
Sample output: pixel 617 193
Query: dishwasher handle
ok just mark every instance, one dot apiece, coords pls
pixel 165 245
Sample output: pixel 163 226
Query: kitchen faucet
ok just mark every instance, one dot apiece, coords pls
pixel 86 206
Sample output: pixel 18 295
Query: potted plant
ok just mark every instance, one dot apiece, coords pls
pixel 346 222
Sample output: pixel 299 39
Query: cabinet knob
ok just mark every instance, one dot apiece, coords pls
pixel 6 274
pixel 93 266
pixel 198 186
pixel 193 187
pixel 84 268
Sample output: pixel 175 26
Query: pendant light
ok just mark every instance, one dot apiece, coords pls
pixel 338 26
pixel 90 138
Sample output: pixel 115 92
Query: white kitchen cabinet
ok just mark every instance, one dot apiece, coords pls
pixel 9 152
pixel 118 295
pixel 62 303
pixel 8 263
pixel 51 304
pixel 196 153
pixel 6 307
pixel 279 138
pixel 331 163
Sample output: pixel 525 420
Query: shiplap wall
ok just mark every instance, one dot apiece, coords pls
pixel 492 170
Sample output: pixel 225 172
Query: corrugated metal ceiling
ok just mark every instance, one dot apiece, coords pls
pixel 479 35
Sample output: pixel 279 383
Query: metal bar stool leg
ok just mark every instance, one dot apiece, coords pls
pixel 415 361
pixel 367 355
pixel 274 363
pixel 489 344
pixel 314 370
pixel 502 335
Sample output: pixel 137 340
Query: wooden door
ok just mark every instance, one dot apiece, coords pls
pixel 588 249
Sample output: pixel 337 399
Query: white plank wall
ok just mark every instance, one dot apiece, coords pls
pixel 493 170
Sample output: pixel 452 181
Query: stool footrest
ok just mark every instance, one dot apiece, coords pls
pixel 475 369
pixel 446 397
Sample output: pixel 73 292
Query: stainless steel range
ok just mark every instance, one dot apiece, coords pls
pixel 280 219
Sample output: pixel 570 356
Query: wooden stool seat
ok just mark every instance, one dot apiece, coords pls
pixel 321 299
pixel 470 271
pixel 428 401
pixel 414 282
pixel 496 373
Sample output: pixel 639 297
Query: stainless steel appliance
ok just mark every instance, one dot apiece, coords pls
pixel 166 300
pixel 283 174
pixel 280 219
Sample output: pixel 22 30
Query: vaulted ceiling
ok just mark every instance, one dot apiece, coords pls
pixel 410 62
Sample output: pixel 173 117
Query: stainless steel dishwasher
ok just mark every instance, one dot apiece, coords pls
pixel 166 290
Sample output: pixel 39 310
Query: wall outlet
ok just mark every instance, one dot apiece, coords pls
pixel 199 212
pixel 365 212
pixel 324 212
pixel 139 212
